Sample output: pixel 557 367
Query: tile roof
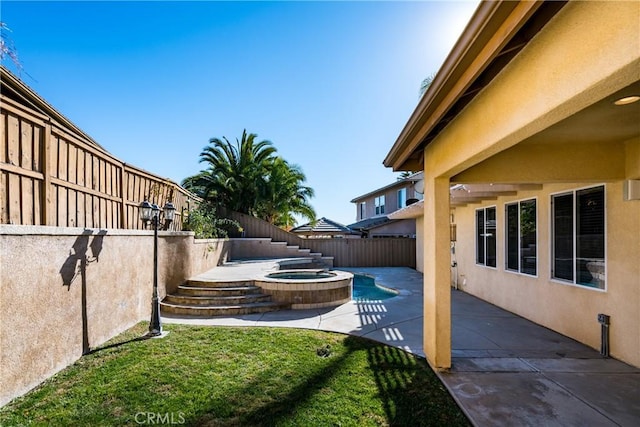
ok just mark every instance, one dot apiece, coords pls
pixel 369 223
pixel 322 226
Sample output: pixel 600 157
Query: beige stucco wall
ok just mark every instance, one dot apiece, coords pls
pixel 420 244
pixel 632 158
pixel 263 247
pixel 569 309
pixel 588 51
pixel 66 290
pixel 402 227
pixel 180 256
pixel 390 200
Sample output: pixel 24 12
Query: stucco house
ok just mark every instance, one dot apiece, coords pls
pixel 374 207
pixel 529 139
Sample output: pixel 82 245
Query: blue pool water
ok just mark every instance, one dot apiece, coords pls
pixel 365 289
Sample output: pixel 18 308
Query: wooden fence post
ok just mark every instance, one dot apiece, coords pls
pixel 123 205
pixel 47 212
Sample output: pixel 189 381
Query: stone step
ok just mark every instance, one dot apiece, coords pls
pixel 207 291
pixel 203 283
pixel 327 261
pixel 213 310
pixel 191 300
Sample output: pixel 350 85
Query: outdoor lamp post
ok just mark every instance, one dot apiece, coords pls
pixel 151 213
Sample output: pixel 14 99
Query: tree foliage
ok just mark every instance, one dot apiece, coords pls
pixel 8 48
pixel 283 195
pixel 249 177
pixel 405 175
pixel 204 222
pixel 426 83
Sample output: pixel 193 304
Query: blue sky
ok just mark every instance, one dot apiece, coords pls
pixel 331 84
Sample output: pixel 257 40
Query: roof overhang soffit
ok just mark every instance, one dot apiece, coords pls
pixel 496 33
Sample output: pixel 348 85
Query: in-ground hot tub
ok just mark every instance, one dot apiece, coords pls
pixel 308 288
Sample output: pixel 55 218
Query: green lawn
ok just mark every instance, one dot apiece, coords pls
pixel 215 376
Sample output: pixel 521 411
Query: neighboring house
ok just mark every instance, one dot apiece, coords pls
pixel 324 228
pixel 414 212
pixel 529 139
pixel 373 209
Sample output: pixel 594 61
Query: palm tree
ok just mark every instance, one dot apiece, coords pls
pixel 249 178
pixel 199 184
pixel 284 195
pixel 235 173
pixel 405 175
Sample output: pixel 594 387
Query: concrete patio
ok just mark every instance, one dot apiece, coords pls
pixel 506 370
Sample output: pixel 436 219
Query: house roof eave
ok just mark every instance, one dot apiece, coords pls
pixel 412 179
pixel 415 210
pixel 492 26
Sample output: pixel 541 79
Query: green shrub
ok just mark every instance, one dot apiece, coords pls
pixel 205 223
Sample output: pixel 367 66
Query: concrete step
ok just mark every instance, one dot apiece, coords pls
pixel 233 300
pixel 327 261
pixel 198 283
pixel 208 291
pixel 268 248
pixel 212 310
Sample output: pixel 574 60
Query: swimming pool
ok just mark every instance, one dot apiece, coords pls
pixel 365 289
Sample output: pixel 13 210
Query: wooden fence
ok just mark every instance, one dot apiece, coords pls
pixel 52 173
pixel 388 252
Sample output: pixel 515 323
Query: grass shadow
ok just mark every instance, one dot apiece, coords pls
pixel 241 377
pixel 411 394
pixel 280 410
pixel 410 391
pixel 118 344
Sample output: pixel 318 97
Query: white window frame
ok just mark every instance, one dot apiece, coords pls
pixel 363 210
pixel 402 198
pixel 506 237
pixel 475 221
pixel 552 234
pixel 380 203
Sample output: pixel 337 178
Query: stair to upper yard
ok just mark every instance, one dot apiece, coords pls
pixel 217 296
pixel 206 298
pixel 265 248
pixel 275 241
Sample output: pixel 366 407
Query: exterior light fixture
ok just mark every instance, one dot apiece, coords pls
pixel 627 100
pixel 169 212
pixel 150 213
pixel 146 211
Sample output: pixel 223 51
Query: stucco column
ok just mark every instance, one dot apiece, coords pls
pixel 437 273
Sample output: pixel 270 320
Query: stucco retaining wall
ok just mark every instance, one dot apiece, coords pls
pixel 64 291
